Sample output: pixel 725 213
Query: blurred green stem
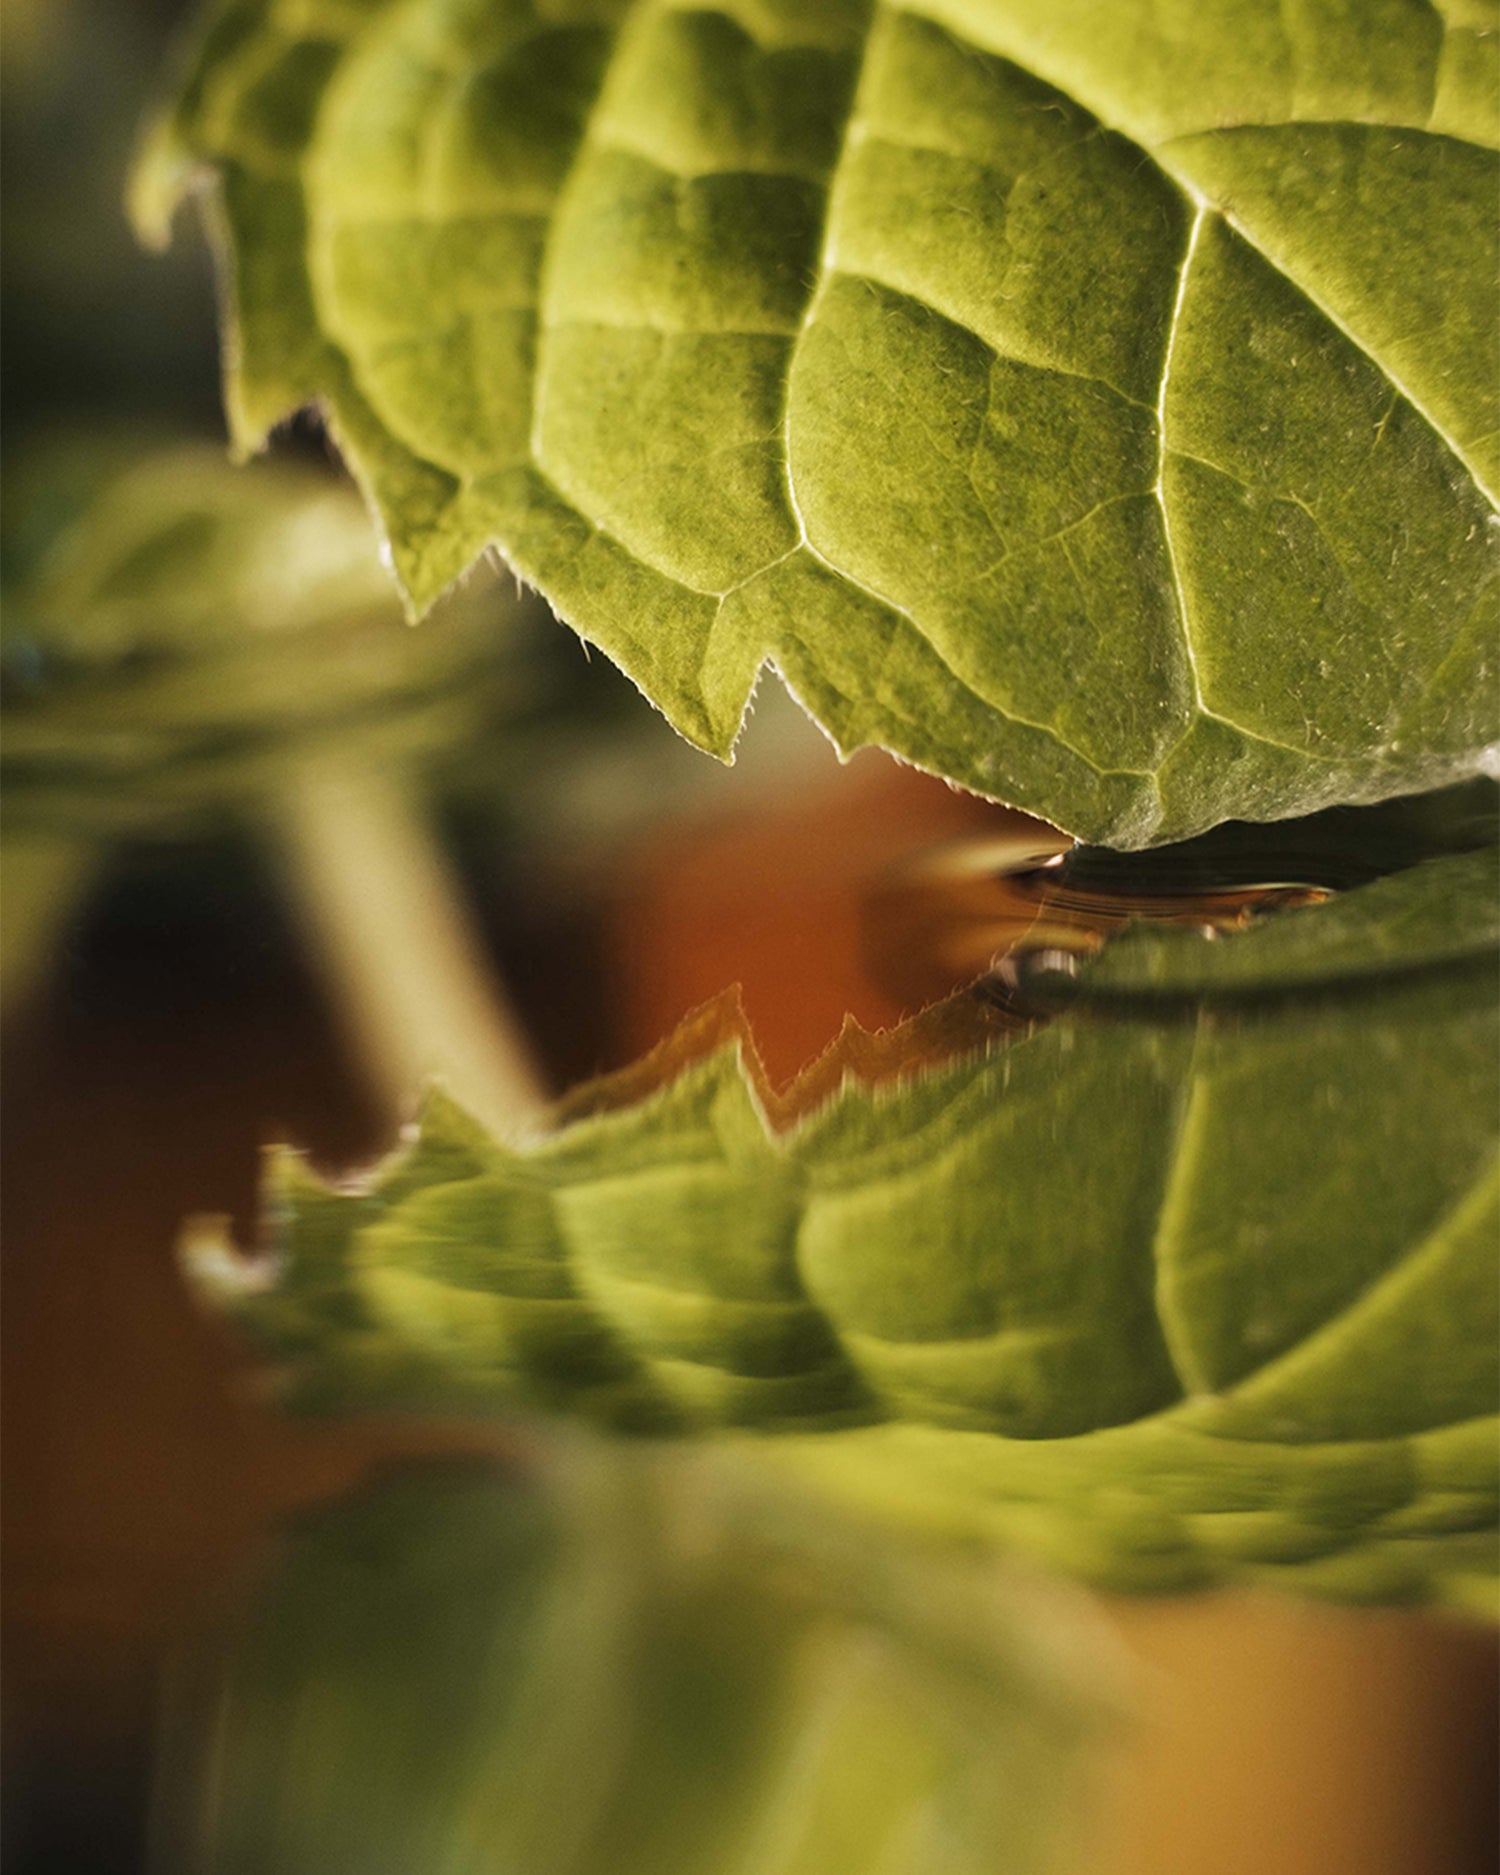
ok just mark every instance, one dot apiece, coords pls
pixel 404 961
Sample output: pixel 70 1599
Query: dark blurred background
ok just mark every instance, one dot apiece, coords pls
pixel 97 333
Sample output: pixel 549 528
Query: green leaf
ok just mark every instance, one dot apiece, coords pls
pixel 1195 1283
pixel 633 1668
pixel 191 624
pixel 1091 400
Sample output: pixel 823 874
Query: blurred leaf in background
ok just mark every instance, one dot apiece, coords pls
pixel 193 634
pixel 632 1663
pixel 204 624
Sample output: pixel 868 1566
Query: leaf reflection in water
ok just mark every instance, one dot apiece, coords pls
pixel 1193 1283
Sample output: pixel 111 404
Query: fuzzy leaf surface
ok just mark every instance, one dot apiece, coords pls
pixel 1178 1288
pixel 1093 401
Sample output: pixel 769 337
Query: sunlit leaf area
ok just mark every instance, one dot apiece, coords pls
pixel 749 903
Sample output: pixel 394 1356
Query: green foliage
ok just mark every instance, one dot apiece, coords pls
pixel 1091 400
pixel 180 634
pixel 652 1671
pixel 194 627
pixel 1196 1282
